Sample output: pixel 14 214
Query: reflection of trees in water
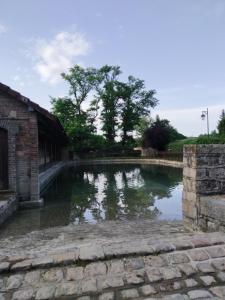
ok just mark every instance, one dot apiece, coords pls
pixel 114 191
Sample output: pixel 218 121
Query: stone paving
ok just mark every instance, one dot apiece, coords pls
pixel 156 261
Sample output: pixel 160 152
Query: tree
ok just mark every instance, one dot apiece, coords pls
pixel 221 124
pixel 108 95
pixel 81 82
pixel 144 123
pixel 160 134
pixel 78 123
pixel 136 103
pixel 157 136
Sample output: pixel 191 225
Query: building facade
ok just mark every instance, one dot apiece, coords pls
pixel 31 140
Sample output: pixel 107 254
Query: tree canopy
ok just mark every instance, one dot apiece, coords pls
pixel 97 98
pixel 160 134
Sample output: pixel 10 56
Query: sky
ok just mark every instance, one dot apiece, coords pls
pixel 176 46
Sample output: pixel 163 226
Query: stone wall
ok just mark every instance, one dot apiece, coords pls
pixel 204 185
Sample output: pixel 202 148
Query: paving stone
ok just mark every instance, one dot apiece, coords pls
pixel 218 291
pixel 116 267
pixel 94 269
pixel 219 264
pixel 42 262
pixel 22 265
pixel 17 258
pixel 33 277
pixel 196 294
pixel 182 245
pixel 216 252
pixel 46 292
pixel 89 285
pixel 163 247
pixel 175 297
pixel 14 282
pixel 134 263
pixel 198 255
pixel 107 296
pixel 74 273
pixel 67 289
pixel 154 275
pixel 207 280
pixel 178 258
pixel 66 258
pixel 155 261
pixel 4 267
pixel 170 273
pixel 221 276
pixel 189 283
pixel 147 290
pixel 53 275
pixel 91 252
pixel 109 281
pixel 187 269
pixel 205 267
pixel 200 242
pixel 134 278
pixel 23 294
pixel 129 294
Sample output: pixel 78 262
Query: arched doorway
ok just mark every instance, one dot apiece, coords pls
pixel 3 159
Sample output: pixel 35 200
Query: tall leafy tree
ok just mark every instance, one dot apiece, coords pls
pixel 77 122
pixel 136 103
pixel 108 96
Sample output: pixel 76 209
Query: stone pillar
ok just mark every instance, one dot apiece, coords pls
pixel 203 176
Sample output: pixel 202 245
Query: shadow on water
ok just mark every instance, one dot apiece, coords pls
pixel 104 192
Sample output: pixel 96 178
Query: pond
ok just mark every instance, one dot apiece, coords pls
pixel 104 192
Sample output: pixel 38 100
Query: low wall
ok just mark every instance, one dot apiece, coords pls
pixel 161 162
pixel 204 187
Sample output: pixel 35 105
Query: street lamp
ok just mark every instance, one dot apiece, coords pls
pixel 205 114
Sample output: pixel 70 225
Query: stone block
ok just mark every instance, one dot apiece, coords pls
pixel 129 294
pixel 44 293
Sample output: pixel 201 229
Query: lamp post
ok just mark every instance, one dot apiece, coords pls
pixel 205 114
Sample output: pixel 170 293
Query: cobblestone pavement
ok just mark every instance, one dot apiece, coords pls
pixel 156 261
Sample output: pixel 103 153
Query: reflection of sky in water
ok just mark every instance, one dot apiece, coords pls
pixel 105 192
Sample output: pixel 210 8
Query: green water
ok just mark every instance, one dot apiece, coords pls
pixel 104 192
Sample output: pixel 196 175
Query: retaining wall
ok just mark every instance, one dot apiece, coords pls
pixel 204 187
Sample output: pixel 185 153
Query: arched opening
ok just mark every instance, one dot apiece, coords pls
pixel 3 159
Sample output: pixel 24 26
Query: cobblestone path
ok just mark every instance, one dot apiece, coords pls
pixel 173 264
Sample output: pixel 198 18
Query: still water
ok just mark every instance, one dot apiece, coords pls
pixel 104 192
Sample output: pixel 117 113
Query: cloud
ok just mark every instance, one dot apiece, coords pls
pixel 57 55
pixel 3 29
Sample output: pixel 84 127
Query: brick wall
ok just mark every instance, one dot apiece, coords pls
pixel 16 114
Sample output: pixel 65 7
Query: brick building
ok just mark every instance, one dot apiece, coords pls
pixel 31 140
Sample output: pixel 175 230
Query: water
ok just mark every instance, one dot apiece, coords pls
pixel 104 192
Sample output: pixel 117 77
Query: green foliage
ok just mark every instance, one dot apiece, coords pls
pixel 108 95
pixel 140 128
pixel 157 136
pixel 119 105
pixel 160 134
pixel 177 146
pixel 221 124
pixel 136 104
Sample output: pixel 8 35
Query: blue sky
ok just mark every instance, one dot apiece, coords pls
pixel 176 46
